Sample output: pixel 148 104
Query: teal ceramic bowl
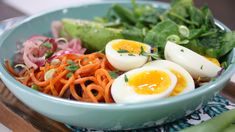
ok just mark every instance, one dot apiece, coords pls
pixel 100 116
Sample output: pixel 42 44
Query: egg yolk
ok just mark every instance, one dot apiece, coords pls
pixel 213 60
pixel 150 82
pixel 130 46
pixel 180 85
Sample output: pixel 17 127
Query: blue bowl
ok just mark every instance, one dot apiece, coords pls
pixel 100 116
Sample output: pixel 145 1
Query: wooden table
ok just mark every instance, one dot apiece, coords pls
pixel 18 117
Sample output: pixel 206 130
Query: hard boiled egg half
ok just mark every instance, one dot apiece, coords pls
pixel 196 64
pixel 185 81
pixel 143 84
pixel 125 55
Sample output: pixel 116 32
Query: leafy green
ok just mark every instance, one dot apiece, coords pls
pixel 228 42
pixel 125 78
pixel 124 13
pixel 133 34
pixel 183 23
pixel 204 37
pixel 48 54
pixel 72 66
pixel 47 45
pixel 113 74
pixel 35 87
pixel 157 36
pixel 153 55
pixel 68 75
pixel 122 51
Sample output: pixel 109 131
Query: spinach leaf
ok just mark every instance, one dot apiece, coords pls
pixel 124 13
pixel 208 17
pixel 228 43
pixel 146 14
pixel 133 34
pixel 157 36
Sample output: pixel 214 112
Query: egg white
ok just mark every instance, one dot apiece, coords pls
pixel 123 93
pixel 194 63
pixel 123 61
pixel 173 66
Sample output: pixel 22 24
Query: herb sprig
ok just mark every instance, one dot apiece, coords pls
pixel 123 51
pixel 72 67
pixel 152 55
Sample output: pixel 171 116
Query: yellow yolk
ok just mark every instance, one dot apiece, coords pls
pixel 150 82
pixel 213 60
pixel 131 46
pixel 180 85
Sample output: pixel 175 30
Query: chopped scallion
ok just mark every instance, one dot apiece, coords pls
pixel 125 78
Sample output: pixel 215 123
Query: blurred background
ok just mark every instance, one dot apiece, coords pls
pixel 223 10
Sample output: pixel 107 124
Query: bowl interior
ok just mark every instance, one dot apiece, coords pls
pixel 40 25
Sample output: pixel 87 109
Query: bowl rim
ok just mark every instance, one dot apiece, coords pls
pixel 6 77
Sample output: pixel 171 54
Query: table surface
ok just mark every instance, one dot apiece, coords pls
pixel 18 117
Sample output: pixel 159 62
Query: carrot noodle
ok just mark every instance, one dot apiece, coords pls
pixel 71 80
pixel 52 88
pixel 107 98
pixel 97 88
pixel 89 82
pixel 9 68
pixel 73 92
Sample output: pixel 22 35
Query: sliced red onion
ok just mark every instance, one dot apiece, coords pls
pixel 74 45
pixel 33 52
pixel 54 44
pixel 220 72
pixel 37 37
pixel 60 53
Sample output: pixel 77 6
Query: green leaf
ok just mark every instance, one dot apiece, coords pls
pixel 227 44
pixel 208 17
pixel 224 65
pixel 122 51
pixel 125 78
pixel 72 68
pixel 142 52
pixel 154 55
pixel 113 74
pixel 68 75
pixel 196 16
pixel 181 3
pixel 47 45
pixel 179 12
pixel 124 13
pixel 131 54
pixel 157 36
pixel 201 67
pixel 133 33
pixel 71 62
pixel 48 54
pixel 35 87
